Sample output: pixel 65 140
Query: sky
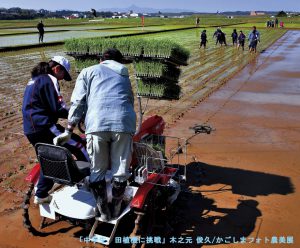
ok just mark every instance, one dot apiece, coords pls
pixel 194 5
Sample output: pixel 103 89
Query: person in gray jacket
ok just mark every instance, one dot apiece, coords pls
pixel 103 94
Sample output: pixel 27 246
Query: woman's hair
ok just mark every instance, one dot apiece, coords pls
pixel 40 69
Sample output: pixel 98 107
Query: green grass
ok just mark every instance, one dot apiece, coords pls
pixel 205 20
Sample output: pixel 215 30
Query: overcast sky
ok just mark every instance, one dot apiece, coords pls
pixel 195 5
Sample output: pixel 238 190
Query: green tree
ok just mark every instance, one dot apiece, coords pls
pixel 281 14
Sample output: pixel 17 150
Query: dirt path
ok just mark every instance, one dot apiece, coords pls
pixel 247 171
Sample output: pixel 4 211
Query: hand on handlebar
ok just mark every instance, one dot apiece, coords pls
pixel 62 138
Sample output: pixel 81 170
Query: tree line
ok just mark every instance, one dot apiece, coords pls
pixel 27 14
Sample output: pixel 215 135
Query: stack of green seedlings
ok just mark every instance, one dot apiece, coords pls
pixel 157 79
pixel 158 88
pixel 129 46
pixel 156 70
pixel 165 49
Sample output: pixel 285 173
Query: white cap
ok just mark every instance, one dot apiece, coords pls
pixel 66 64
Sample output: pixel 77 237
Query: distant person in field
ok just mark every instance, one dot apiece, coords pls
pixel 203 39
pixel 197 22
pixel 234 37
pixel 241 40
pixel 276 23
pixel 40 28
pixel 220 37
pixel 254 38
pixel 216 35
pixel 281 24
pixel 272 24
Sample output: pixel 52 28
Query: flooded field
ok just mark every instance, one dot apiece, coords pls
pixel 62 33
pixel 17 40
pixel 207 70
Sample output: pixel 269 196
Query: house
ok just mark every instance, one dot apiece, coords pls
pixel 134 15
pixel 255 13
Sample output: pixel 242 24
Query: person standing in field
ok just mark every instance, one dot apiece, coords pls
pixel 40 28
pixel 197 21
pixel 104 95
pixel 241 40
pixel 203 39
pixel 42 106
pixel 217 35
pixel 234 37
pixel 222 38
pixel 254 38
pixel 276 22
pixel 281 24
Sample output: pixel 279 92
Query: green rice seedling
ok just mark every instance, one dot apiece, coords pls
pixel 75 46
pixel 136 47
pixel 123 45
pixel 71 45
pixel 140 69
pixel 84 63
pixel 165 48
pixel 150 48
pixel 155 88
pixel 107 43
pixel 83 46
pixel 150 69
pixel 95 46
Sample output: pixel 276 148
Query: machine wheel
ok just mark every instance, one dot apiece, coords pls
pixel 26 220
pixel 146 220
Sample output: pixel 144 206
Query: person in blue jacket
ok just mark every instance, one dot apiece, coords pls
pixel 42 106
pixel 254 38
pixel 104 95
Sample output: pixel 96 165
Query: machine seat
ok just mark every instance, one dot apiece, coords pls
pixel 58 164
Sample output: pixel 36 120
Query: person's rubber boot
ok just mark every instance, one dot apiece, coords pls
pixel 99 192
pixel 118 190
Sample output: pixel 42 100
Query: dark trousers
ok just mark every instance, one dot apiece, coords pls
pixel 41 36
pixel 203 43
pixel 47 136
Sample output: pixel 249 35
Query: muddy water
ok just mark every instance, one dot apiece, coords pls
pixel 57 36
pixel 248 168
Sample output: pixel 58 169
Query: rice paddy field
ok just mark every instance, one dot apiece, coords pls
pixel 207 70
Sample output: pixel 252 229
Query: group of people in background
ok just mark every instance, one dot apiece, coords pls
pixel 238 39
pixel 274 23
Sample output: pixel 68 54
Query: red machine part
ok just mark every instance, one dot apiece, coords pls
pixel 34 174
pixel 155 178
pixel 153 125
